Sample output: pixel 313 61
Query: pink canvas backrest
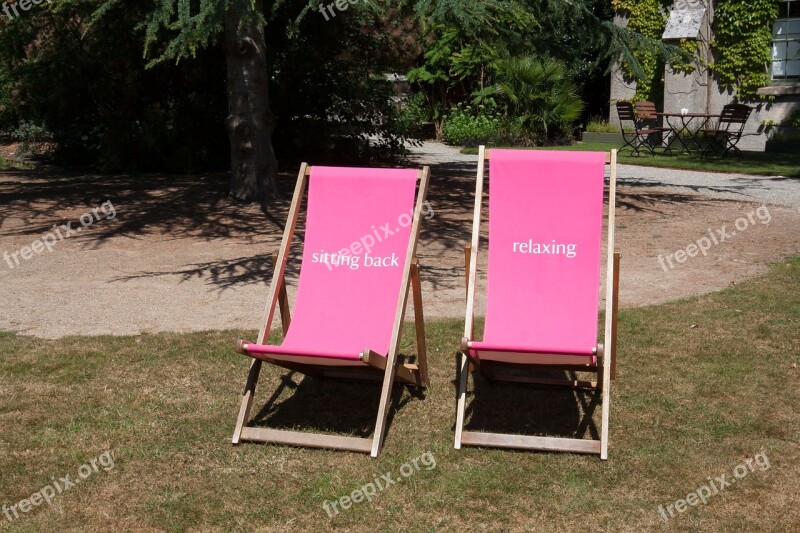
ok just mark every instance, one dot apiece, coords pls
pixel 545 230
pixel 358 229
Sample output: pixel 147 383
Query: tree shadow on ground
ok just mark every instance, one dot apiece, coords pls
pixel 197 206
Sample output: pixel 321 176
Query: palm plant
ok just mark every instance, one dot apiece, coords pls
pixel 537 94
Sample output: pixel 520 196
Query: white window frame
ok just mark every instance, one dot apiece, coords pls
pixel 786 44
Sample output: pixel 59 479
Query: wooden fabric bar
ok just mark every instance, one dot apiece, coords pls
pixel 312 440
pixel 524 442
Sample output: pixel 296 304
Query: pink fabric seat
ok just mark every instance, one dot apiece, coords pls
pixel 346 303
pixel 545 230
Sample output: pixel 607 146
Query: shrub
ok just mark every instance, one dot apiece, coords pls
pixel 32 138
pixel 469 126
pixel 411 117
pixel 787 134
pixel 539 94
pixel 787 131
pixel 601 125
pixel 793 120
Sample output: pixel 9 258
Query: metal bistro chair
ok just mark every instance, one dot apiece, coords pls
pixel 634 136
pixel 730 126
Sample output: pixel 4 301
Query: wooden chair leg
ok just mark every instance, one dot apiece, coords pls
pixel 247 400
pixel 419 323
pixel 604 383
pixel 383 408
pixel 614 317
pixel 461 398
pixel 255 366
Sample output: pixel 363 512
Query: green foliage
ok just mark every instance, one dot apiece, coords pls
pixel 89 85
pixel 434 75
pixel 31 138
pixel 6 86
pixel 477 17
pixel 580 34
pixel 471 126
pixel 412 113
pixel 531 102
pixel 140 85
pixel 787 131
pixel 784 134
pixel 336 98
pixel 648 18
pixel 742 45
pixel 461 58
pixel 325 98
pixel 179 29
pixel 79 68
pixel 743 40
pixel 690 48
pixel 793 120
pixel 601 125
pixel 539 94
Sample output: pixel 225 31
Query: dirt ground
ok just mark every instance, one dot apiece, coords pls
pixel 178 256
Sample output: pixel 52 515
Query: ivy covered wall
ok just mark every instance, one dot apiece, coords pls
pixel 741 46
pixel 648 17
pixel 737 47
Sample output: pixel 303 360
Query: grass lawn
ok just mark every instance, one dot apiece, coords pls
pixel 756 163
pixel 703 385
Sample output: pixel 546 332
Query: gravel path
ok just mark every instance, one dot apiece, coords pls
pixel 774 190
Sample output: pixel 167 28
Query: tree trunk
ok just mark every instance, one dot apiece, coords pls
pixel 250 121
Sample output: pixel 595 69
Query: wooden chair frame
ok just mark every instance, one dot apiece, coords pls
pixel 605 366
pixel 728 132
pixel 371 365
pixel 647 119
pixel 638 138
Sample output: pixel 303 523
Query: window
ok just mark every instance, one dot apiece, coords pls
pixel 786 41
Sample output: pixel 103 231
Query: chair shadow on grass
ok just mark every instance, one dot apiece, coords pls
pixel 328 405
pixel 534 410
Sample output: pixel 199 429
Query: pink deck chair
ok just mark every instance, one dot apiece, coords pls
pixel 543 282
pixel 358 262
